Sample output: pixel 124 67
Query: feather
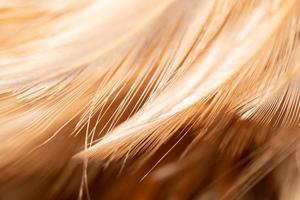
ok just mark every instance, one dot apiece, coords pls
pixel 157 99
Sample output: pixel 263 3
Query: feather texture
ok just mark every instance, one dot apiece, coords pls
pixel 157 99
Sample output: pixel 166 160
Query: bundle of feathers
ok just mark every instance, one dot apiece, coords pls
pixel 149 99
